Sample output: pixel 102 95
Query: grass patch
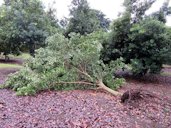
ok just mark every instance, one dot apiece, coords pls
pixel 1 86
pixel 166 74
pixel 2 65
pixel 23 56
pixel 166 66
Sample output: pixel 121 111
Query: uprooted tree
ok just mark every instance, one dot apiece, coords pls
pixel 67 64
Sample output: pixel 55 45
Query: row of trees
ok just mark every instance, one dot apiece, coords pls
pixel 25 25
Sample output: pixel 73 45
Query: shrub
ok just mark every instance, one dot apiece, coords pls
pixel 145 45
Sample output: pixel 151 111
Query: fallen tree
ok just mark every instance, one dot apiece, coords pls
pixel 67 64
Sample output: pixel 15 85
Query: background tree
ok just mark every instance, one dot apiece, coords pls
pixel 150 44
pixel 64 22
pixel 104 22
pixel 142 41
pixel 137 8
pixel 163 12
pixel 83 20
pixel 24 24
pixel 167 57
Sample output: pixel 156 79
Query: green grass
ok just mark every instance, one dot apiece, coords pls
pixel 166 74
pixel 23 56
pixel 2 66
pixel 166 66
pixel 1 86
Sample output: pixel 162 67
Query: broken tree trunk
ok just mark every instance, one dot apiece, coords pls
pixel 137 94
pixel 131 95
pixel 101 85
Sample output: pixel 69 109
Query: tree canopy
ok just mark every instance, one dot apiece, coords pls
pixel 143 41
pixel 23 24
pixel 85 20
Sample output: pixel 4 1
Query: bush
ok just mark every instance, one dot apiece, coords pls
pixel 150 45
pixel 145 45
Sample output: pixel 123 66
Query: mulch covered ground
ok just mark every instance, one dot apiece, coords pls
pixel 89 109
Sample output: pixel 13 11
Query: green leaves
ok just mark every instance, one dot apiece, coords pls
pixel 24 24
pixel 143 42
pixel 83 19
pixel 66 64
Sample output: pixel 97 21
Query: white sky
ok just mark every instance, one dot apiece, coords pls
pixel 110 8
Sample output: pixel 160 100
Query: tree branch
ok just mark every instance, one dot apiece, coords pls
pixel 84 73
pixel 76 82
pixel 101 85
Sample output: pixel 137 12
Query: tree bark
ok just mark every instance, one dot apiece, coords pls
pixel 101 85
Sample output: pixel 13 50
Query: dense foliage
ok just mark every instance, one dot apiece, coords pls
pixel 23 24
pixel 143 41
pixel 66 64
pixel 85 20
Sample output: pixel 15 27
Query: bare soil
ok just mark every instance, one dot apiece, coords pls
pixel 12 61
pixel 89 109
pixel 4 72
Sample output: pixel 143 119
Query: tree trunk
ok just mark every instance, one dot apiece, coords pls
pixel 32 49
pixel 101 85
pixel 6 58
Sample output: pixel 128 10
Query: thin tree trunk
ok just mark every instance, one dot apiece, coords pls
pixel 101 85
pixel 6 57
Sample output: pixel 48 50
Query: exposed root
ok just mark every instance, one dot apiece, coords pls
pixel 136 94
pixel 130 95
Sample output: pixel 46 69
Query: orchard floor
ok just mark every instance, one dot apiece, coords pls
pixel 89 109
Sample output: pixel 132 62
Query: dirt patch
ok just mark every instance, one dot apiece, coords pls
pixel 12 61
pixel 5 72
pixel 89 109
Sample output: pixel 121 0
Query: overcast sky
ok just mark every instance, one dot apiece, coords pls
pixel 110 8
